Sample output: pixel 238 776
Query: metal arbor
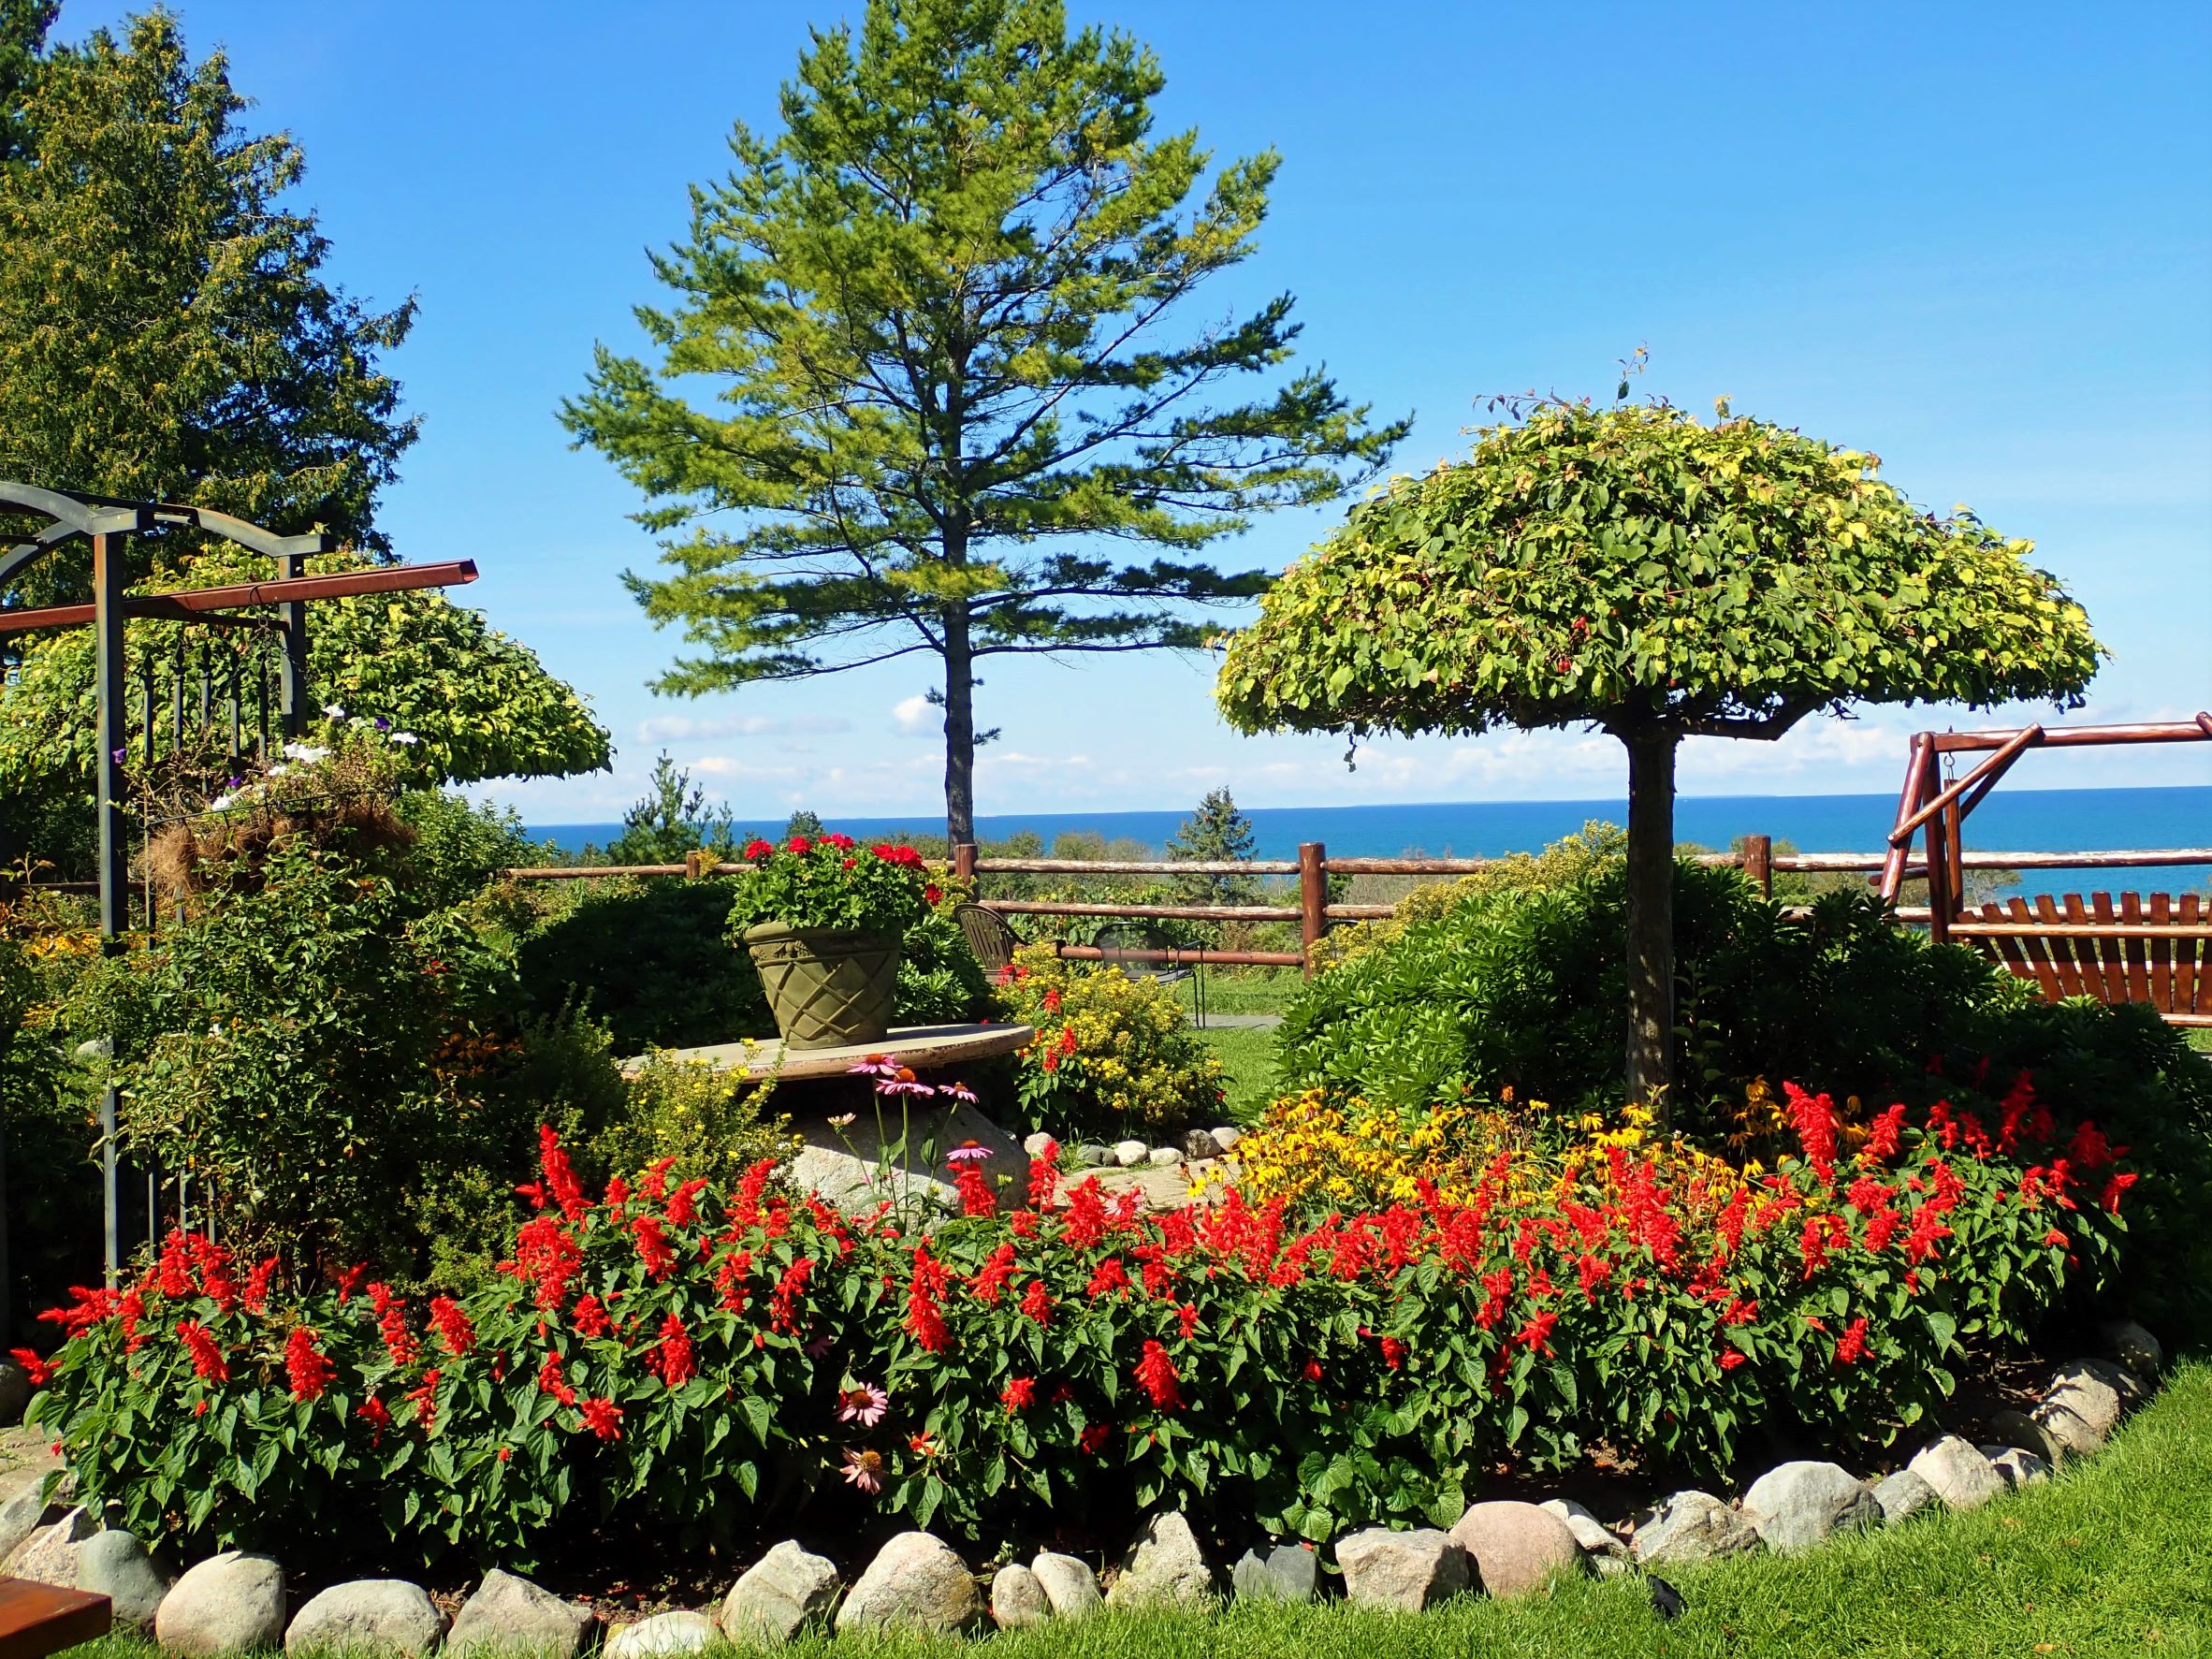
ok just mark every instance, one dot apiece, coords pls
pixel 107 524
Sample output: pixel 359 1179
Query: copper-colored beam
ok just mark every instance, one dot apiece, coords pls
pixel 391 578
pixel 1991 769
pixel 2194 731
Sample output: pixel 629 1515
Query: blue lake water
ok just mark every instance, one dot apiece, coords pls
pixel 2018 821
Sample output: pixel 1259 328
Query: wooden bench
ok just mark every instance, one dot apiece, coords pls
pixel 36 1620
pixel 2154 949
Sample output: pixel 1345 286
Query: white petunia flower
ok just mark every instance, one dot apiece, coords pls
pixel 335 711
pixel 405 737
pixel 305 751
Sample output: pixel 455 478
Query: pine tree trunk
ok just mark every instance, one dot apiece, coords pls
pixel 959 729
pixel 1650 915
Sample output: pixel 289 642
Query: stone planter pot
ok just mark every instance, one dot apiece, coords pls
pixel 829 987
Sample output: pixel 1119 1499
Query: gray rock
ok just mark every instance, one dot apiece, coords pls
pixel 115 1564
pixel 2079 1412
pixel 1960 1474
pixel 661 1634
pixel 2130 1388
pixel 510 1615
pixel 15 1394
pixel 1690 1526
pixel 1018 1601
pixel 1165 1564
pixel 48 1555
pixel 1902 1495
pixel 2016 1428
pixel 1069 1586
pixel 1408 1570
pixel 1091 1155
pixel 1163 1158
pixel 864 1164
pixel 779 1596
pixel 1226 1136
pixel 224 1604
pixel 23 1513
pixel 1798 1505
pixel 1035 1144
pixel 1516 1547
pixel 1597 1540
pixel 367 1616
pixel 2128 1344
pixel 1199 1146
pixel 1287 1572
pixel 915 1583
pixel 1129 1154
pixel 2017 1466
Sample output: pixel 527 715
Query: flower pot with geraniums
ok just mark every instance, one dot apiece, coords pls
pixel 823 917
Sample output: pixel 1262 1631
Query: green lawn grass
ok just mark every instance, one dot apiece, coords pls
pixel 2113 1558
pixel 1243 990
pixel 1248 1055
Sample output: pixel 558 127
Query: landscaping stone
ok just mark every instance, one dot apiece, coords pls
pixel 663 1634
pixel 779 1596
pixel 1690 1526
pixel 510 1615
pixel 1091 1155
pixel 861 1164
pixel 1018 1601
pixel 1604 1548
pixel 1226 1136
pixel 48 1555
pixel 1200 1146
pixel 1795 1506
pixel 15 1392
pixel 115 1564
pixel 1960 1474
pixel 2131 1389
pixel 367 1616
pixel 1165 1564
pixel 1164 1157
pixel 915 1583
pixel 23 1513
pixel 1129 1154
pixel 2017 1466
pixel 224 1604
pixel 1516 1547
pixel 2128 1344
pixel 2016 1428
pixel 1287 1572
pixel 1069 1584
pixel 1408 1570
pixel 1902 1495
pixel 1035 1144
pixel 2079 1411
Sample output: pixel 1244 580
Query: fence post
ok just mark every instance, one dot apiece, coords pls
pixel 292 689
pixel 963 862
pixel 1313 897
pixel 1758 862
pixel 695 864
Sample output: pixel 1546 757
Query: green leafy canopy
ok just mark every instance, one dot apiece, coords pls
pixel 1632 566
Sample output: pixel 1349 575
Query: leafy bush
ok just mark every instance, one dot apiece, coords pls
pixel 649 1354
pixel 648 957
pixel 832 881
pixel 691 1119
pixel 1112 1056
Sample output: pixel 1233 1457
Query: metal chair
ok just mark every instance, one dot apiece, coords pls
pixel 988 936
pixel 1142 944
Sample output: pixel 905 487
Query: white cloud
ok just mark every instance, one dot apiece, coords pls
pixel 663 727
pixel 912 714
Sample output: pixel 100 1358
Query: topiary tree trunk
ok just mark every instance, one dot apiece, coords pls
pixel 1650 912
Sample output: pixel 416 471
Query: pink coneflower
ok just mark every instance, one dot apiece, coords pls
pixel 873 1066
pixel 864 1404
pixel 967 1152
pixel 959 1091
pixel 864 1469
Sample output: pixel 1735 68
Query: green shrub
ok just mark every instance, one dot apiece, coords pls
pixel 1114 1057
pixel 692 1120
pixel 650 958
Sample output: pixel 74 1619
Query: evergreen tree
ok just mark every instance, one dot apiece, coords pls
pixel 939 307
pixel 1214 833
pixel 672 820
pixel 802 823
pixel 165 328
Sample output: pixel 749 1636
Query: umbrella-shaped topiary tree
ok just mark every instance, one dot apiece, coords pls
pixel 1636 569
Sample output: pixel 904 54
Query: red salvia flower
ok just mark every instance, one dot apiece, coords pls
pixel 1732 1358
pixel 1093 1439
pixel 424 1401
pixel 377 1414
pixel 39 1371
pixel 729 1280
pixel 1394 1352
pixel 256 1291
pixel 603 1418
pixel 652 1246
pixel 391 1320
pixel 553 1380
pixel 1535 1335
pixel 926 1291
pixel 683 1203
pixel 2116 1188
pixel 1036 1303
pixel 1851 1346
pixel 560 1176
pixel 976 1197
pixel 172 1272
pixel 1882 1134
pixel 673 1358
pixel 1813 1118
pixel 213 1262
pixel 306 1366
pixel 453 1326
pixel 349 1281
pixel 990 1280
pixel 1107 1277
pixel 1188 1317
pixel 783 1304
pixel 206 1357
pixel 1156 1376
pixel 1019 1395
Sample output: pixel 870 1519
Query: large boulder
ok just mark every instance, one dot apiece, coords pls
pixel 1018 1601
pixel 48 1555
pixel 1902 1495
pixel 1516 1548
pixel 115 1564
pixel 1405 1570
pixel 2017 1466
pixel 2128 1344
pixel 1165 1564
pixel 23 1512
pixel 508 1615
pixel 1795 1506
pixel 915 1583
pixel 663 1634
pixel 2079 1411
pixel 1960 1474
pixel 1690 1526
pixel 225 1604
pixel 779 1596
pixel 1069 1584
pixel 1287 1572
pixel 367 1616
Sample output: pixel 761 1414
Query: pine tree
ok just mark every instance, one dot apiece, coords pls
pixel 1214 833
pixel 673 819
pixel 939 306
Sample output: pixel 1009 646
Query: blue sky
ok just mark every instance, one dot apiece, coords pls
pixel 1975 239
